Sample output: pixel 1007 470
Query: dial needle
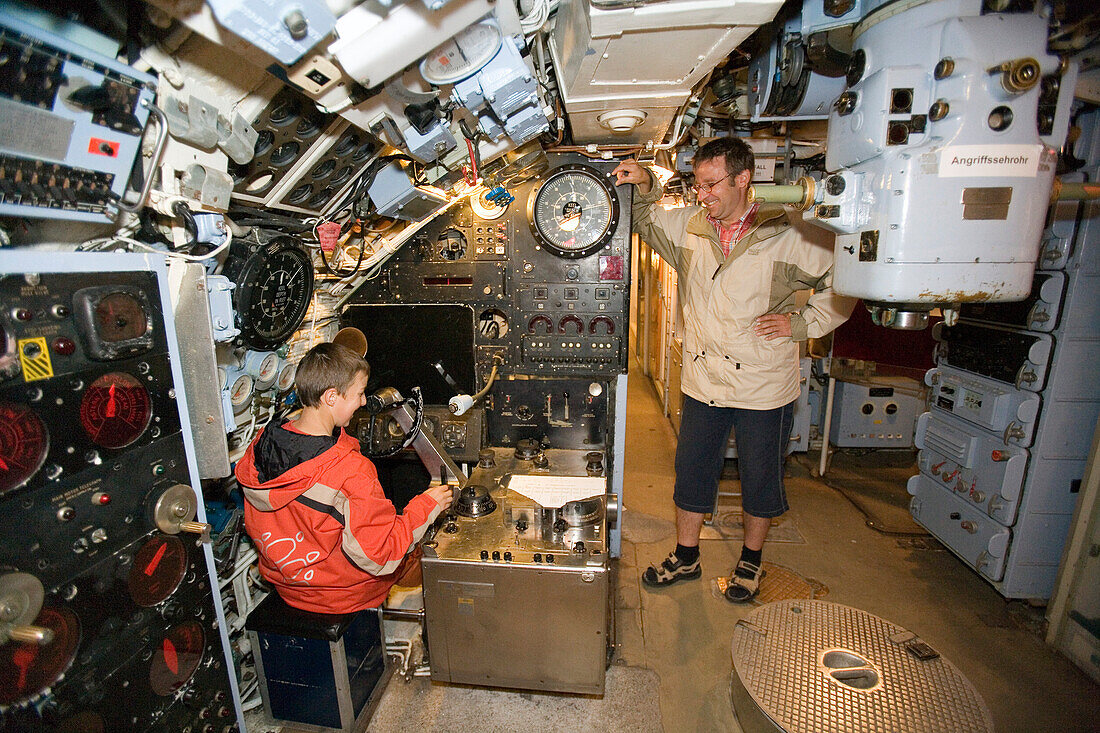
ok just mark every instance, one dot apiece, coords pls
pixel 111 409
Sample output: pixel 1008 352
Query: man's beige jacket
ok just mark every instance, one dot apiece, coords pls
pixel 725 363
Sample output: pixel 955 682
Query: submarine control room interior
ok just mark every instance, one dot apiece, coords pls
pixel 514 211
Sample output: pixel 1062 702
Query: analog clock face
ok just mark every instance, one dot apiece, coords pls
pixel 574 212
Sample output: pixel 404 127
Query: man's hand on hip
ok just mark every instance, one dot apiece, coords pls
pixel 773 326
pixel 630 172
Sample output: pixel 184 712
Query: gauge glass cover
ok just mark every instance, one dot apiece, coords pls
pixel 24 443
pixel 463 55
pixel 158 569
pixel 115 410
pixel 574 212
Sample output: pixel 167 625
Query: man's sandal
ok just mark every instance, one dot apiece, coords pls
pixel 670 570
pixel 744 582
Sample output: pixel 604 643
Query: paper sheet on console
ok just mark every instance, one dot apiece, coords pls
pixel 554 491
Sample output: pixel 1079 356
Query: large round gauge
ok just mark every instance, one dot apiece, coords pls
pixel 274 288
pixel 158 569
pixel 463 55
pixel 114 321
pixel 27 669
pixel 177 658
pixel 115 410
pixel 574 212
pixel 24 443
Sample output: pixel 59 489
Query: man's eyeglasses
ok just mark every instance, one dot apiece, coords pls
pixel 705 188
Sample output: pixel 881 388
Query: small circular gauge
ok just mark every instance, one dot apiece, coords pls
pixel 120 317
pixel 115 410
pixel 158 569
pixel 285 382
pixel 26 669
pixel 574 212
pixel 24 443
pixel 463 55
pixel 177 658
pixel 263 366
pixel 274 289
pixel 240 392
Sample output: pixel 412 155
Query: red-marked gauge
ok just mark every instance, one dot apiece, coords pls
pixel 26 669
pixel 158 569
pixel 24 444
pixel 177 658
pixel 115 410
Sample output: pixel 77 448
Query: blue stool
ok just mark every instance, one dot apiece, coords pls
pixel 318 672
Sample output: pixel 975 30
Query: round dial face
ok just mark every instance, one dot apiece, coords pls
pixel 286 377
pixel 269 367
pixel 574 212
pixel 24 443
pixel 27 669
pixel 463 55
pixel 240 393
pixel 120 317
pixel 177 658
pixel 115 410
pixel 158 569
pixel 275 288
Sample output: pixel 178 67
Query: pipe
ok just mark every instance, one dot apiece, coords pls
pixel 828 426
pixel 800 194
pixel 403 614
pixel 1074 191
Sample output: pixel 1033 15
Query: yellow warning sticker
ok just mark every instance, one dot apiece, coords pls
pixel 35 359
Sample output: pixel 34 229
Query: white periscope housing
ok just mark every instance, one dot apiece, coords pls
pixel 944 148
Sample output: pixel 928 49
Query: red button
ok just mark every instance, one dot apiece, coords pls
pixel 64 346
pixel 23 314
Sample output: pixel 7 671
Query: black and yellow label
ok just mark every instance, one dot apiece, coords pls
pixel 34 357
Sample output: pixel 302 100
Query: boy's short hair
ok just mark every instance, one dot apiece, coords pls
pixel 734 152
pixel 327 366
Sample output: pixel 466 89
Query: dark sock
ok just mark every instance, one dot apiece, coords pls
pixel 687 555
pixel 752 556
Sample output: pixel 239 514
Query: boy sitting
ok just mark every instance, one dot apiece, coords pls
pixel 328 538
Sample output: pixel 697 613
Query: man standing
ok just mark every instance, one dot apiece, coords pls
pixel 739 265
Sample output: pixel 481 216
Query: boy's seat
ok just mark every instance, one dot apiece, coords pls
pixel 318 672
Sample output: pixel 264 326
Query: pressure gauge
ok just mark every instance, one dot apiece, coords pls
pixel 463 55
pixel 241 388
pixel 263 366
pixel 574 212
pixel 114 321
pixel 285 382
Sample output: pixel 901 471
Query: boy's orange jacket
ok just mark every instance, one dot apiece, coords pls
pixel 328 538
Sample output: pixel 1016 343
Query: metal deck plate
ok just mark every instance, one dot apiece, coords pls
pixel 804 665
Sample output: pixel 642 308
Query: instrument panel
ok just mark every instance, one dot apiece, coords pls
pixel 94 474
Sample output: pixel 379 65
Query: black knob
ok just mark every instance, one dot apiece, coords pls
pixel 484 554
pixel 521 525
pixel 450 528
pixel 549 557
pixel 496 554
pixel 507 557
pixel 578 547
pixel 537 557
pixel 559 526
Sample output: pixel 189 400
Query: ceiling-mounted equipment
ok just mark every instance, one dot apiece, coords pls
pixel 927 131
pixel 604 58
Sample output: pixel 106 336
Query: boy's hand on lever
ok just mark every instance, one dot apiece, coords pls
pixel 442 493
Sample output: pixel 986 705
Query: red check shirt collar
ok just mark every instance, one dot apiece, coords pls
pixel 728 236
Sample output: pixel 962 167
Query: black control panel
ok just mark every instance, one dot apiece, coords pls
pixel 96 504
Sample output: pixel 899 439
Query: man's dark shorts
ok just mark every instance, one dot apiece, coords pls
pixel 762 440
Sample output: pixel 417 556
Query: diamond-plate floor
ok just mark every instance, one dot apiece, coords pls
pixel 818 666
